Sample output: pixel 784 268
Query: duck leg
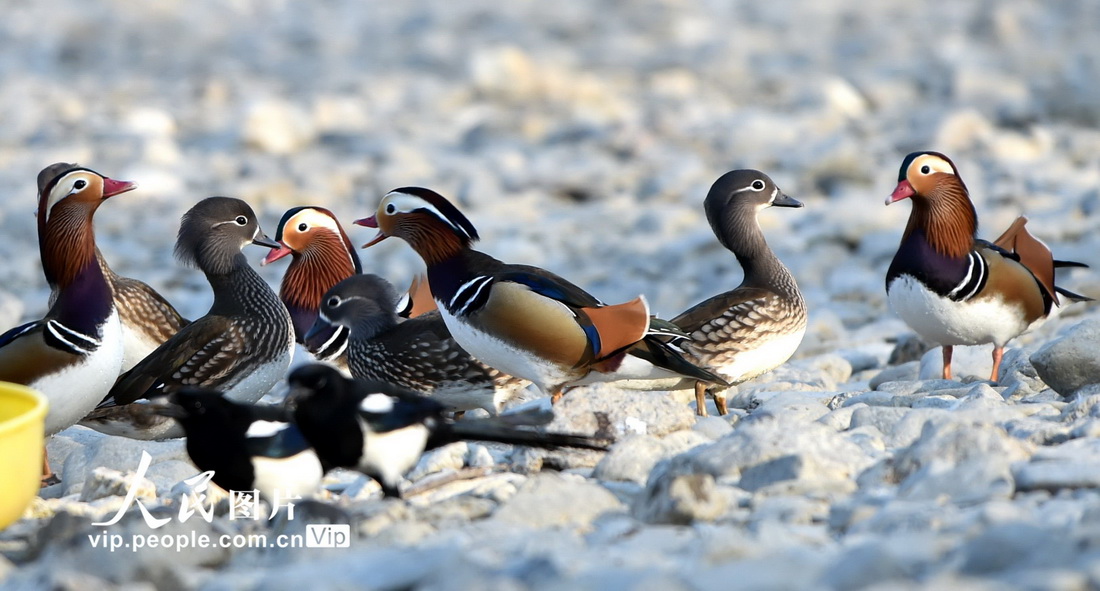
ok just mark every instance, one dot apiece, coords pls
pixel 556 395
pixel 947 350
pixel 701 399
pixel 998 353
pixel 720 402
pixel 48 476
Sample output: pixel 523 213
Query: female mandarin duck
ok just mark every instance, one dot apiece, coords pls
pixel 242 346
pixel 954 289
pixel 322 256
pixel 522 320
pixel 756 327
pixel 75 352
pixel 417 354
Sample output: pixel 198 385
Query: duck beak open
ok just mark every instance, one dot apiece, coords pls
pixel 372 222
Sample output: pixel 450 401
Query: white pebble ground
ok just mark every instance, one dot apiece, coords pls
pixel 582 136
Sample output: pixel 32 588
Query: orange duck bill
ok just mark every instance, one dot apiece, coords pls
pixel 371 222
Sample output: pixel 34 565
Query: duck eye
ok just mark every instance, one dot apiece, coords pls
pixel 758 185
pixel 241 220
pixel 302 227
pixel 925 169
pixel 391 209
pixel 80 184
pixel 333 302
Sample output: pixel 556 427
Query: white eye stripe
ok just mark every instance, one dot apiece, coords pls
pixel 406 203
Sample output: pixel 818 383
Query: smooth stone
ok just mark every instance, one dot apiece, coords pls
pixel 550 499
pixel 905 372
pixel 1058 474
pixel 1070 362
pixel 632 458
pixel 712 427
pixel 681 500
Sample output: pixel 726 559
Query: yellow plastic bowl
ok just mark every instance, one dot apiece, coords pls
pixel 22 429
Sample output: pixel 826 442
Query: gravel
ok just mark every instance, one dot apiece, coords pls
pixel 582 137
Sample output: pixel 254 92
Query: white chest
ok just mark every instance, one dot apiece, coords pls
pixel 947 322
pixel 74 391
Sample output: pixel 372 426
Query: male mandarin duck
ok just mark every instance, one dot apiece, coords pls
pixel 382 431
pixel 147 318
pixel 247 446
pixel 522 320
pixel 242 346
pixel 417 354
pixel 74 354
pixel 322 256
pixel 955 289
pixel 756 327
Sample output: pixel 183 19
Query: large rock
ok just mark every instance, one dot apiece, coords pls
pixel 1072 361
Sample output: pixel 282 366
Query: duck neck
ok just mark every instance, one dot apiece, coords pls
pixel 946 220
pixel 310 275
pixel 83 296
pixel 741 234
pixel 66 243
pixel 238 286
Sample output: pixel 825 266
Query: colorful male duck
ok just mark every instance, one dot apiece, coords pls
pixel 243 345
pixel 755 328
pixel 321 256
pixel 74 353
pixel 522 320
pixel 147 318
pixel 954 289
pixel 417 354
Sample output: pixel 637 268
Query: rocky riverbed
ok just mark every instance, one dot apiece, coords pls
pixel 582 136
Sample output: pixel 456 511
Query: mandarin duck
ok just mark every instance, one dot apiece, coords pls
pixel 146 317
pixel 955 289
pixel 249 447
pixel 756 327
pixel 321 255
pixel 523 320
pixel 382 431
pixel 242 346
pixel 74 353
pixel 417 354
